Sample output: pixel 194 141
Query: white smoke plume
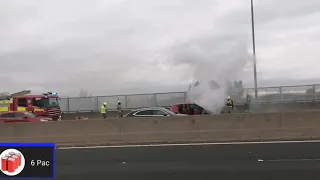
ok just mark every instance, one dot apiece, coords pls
pixel 212 57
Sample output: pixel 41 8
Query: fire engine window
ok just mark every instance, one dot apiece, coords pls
pixel 37 102
pixel 22 102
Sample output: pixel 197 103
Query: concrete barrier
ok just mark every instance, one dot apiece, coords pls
pixel 238 127
pixel 89 115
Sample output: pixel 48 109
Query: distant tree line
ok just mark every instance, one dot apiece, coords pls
pixel 4 95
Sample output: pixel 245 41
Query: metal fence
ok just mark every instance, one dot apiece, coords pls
pixel 265 94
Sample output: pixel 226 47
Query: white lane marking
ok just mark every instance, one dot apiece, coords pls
pixel 190 144
pixel 291 160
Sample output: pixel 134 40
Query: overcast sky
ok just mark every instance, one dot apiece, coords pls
pixel 118 46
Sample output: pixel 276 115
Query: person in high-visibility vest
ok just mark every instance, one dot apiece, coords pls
pixel 247 104
pixel 119 109
pixel 104 110
pixel 230 104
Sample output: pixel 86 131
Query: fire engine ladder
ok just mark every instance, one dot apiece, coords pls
pixel 7 96
pixel 21 93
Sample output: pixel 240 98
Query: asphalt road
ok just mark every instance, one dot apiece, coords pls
pixel 229 161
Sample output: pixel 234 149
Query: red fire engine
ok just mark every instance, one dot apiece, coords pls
pixel 46 104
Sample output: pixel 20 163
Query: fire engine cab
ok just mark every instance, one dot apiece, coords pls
pixel 46 105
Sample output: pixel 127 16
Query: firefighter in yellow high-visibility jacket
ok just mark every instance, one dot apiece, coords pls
pixel 230 105
pixel 104 110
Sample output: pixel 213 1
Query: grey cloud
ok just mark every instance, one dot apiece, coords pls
pixel 110 46
pixel 267 10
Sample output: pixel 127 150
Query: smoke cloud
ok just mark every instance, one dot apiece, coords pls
pixel 214 61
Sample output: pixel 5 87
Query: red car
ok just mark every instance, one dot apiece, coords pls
pixel 13 117
pixel 188 108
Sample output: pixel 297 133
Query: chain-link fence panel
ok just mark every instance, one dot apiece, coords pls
pixel 294 93
pixel 251 92
pixel 64 104
pixel 317 91
pixel 141 100
pixel 83 104
pixel 169 99
pixel 268 94
pixel 112 101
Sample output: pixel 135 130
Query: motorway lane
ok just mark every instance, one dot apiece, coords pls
pixel 227 161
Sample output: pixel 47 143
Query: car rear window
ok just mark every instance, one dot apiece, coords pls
pixel 145 112
pixel 195 106
pixel 19 115
pixel 7 115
